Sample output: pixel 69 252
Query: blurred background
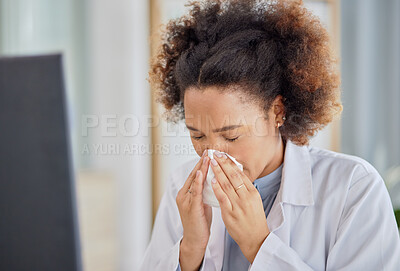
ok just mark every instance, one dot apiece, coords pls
pixel 123 151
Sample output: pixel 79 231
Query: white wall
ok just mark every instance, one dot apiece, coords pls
pixel 118 52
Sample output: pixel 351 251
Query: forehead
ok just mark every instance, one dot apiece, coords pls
pixel 221 106
pixel 211 96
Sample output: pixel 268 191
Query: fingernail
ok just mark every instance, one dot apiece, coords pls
pixel 197 173
pixel 214 162
pixel 213 180
pixel 224 156
pixel 218 154
pixel 204 160
pixel 204 152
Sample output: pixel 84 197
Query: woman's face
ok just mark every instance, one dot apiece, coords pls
pixel 225 122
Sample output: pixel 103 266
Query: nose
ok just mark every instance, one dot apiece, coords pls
pixel 218 146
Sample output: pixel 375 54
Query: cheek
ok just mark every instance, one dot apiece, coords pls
pixel 197 147
pixel 253 154
pixel 244 154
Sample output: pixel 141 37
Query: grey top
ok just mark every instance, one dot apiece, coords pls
pixel 268 187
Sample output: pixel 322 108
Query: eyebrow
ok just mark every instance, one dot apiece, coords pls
pixel 223 129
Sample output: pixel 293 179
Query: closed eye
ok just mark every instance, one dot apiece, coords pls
pixel 232 139
pixel 229 139
pixel 197 137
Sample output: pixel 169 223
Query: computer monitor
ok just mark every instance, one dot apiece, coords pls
pixel 38 214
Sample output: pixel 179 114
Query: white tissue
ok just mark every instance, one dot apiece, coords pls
pixel 208 192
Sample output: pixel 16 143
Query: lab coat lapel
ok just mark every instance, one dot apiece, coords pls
pixel 295 190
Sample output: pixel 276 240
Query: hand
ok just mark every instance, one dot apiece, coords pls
pixel 242 210
pixel 195 215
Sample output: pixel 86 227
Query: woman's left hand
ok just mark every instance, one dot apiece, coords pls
pixel 242 210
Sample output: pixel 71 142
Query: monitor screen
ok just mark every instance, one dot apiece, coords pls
pixel 38 215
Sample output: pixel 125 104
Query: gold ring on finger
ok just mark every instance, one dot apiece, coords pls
pixel 240 186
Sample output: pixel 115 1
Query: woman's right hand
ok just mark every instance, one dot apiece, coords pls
pixel 195 215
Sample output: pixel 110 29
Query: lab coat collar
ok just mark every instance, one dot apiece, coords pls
pixel 296 183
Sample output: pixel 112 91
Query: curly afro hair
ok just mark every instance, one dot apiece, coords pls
pixel 268 48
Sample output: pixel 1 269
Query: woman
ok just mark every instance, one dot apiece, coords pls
pixel 257 80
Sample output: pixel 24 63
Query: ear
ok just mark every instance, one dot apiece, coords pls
pixel 279 108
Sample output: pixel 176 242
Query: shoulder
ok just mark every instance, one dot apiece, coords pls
pixel 341 165
pixel 337 171
pixel 342 181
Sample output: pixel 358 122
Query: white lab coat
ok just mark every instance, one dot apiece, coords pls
pixel 332 212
